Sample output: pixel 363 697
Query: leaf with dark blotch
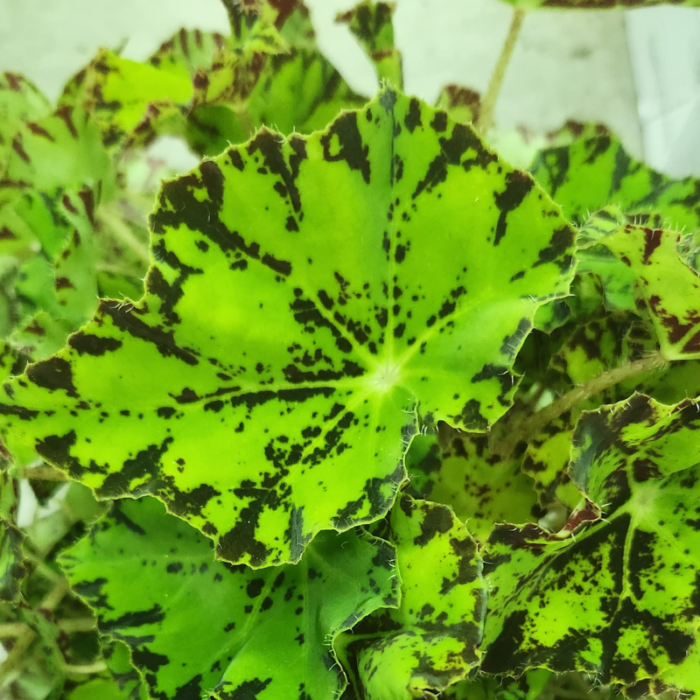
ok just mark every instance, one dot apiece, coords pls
pixel 619 600
pixel 12 567
pixel 61 151
pixel 664 283
pixel 595 170
pixel 20 101
pixel 371 24
pixel 428 643
pixel 195 625
pixel 593 4
pixel 299 348
pixel 461 103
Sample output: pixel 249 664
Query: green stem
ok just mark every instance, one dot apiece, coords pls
pixel 86 669
pixel 523 431
pixel 44 474
pixel 488 104
pixel 124 233
pixel 12 629
pixel 76 624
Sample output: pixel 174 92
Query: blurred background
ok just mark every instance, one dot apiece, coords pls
pixel 637 71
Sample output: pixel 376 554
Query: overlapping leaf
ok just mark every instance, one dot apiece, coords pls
pixel 461 103
pixel 429 642
pixel 481 488
pixel 665 284
pixel 146 573
pixel 371 24
pixel 595 171
pixel 529 686
pixel 216 90
pixel 620 599
pixel 265 302
pixel 594 4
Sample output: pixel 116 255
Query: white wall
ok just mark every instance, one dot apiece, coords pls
pixel 568 64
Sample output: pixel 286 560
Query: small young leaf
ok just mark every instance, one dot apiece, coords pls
pixel 430 641
pixel 528 687
pixel 618 601
pixel 20 101
pixel 371 24
pixel 669 288
pixel 197 626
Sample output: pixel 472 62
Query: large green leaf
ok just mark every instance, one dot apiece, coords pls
pixel 595 170
pixel 620 599
pixel 274 297
pixel 429 642
pixel 203 628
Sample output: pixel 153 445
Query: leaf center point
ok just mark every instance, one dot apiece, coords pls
pixel 385 377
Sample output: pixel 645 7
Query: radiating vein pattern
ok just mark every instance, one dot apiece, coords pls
pixel 622 599
pixel 303 290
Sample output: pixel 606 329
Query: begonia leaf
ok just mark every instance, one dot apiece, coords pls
pixel 461 103
pixel 12 566
pixel 118 92
pixel 119 662
pixel 429 642
pixel 529 686
pixel 664 283
pixel 189 49
pixel 617 601
pixel 265 303
pixel 593 4
pixel 198 627
pixel 371 24
pixel 60 151
pixel 481 488
pixel 595 171
pixel 20 101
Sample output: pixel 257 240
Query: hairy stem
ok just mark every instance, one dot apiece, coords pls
pixel 523 431
pixel 44 473
pixel 115 224
pixel 488 104
pixel 76 624
pixel 12 629
pixel 86 669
